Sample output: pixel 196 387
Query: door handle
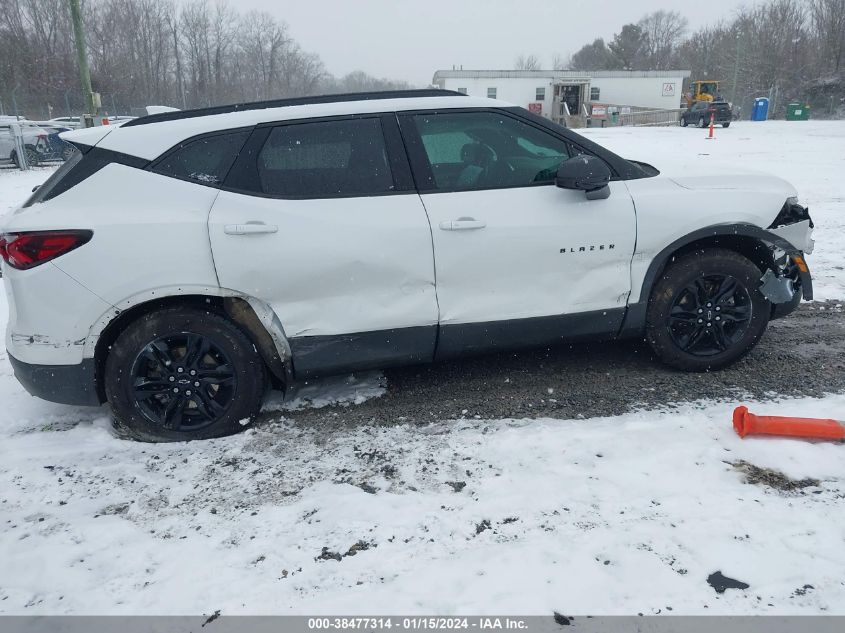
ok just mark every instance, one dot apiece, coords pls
pixel 250 228
pixel 462 224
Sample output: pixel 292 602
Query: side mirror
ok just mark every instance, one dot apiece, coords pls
pixel 586 173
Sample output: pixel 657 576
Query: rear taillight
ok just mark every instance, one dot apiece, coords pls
pixel 27 250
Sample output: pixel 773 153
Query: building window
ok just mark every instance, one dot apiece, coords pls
pixel 541 94
pixel 595 94
pixel 491 93
pixel 463 91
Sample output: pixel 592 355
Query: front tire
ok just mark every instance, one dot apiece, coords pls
pixel 702 123
pixel 726 124
pixel 707 312
pixel 683 122
pixel 183 374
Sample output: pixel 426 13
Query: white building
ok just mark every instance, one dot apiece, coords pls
pixel 558 94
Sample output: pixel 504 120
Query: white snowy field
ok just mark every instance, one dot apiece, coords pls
pixel 619 515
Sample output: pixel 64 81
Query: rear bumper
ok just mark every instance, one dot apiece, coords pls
pixel 65 384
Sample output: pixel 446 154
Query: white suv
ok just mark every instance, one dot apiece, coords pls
pixel 179 265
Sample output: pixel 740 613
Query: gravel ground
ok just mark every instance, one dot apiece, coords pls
pixel 801 355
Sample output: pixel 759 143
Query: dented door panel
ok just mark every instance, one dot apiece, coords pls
pixel 334 266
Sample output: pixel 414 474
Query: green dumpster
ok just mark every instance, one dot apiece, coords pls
pixel 797 112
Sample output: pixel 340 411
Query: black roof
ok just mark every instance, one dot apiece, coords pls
pixel 278 103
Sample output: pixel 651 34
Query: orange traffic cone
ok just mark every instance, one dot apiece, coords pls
pixel 746 423
pixel 710 135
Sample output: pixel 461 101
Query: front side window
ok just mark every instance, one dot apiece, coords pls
pixel 486 150
pixel 325 159
pixel 206 160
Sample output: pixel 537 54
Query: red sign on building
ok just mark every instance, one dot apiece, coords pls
pixel 536 108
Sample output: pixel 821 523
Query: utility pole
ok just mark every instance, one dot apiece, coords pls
pixel 82 57
pixel 736 64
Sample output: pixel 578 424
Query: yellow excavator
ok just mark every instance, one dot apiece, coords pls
pixel 702 91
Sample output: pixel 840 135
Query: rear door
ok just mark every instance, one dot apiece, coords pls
pixel 320 220
pixel 519 261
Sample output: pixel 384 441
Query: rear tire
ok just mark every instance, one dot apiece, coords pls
pixel 702 123
pixel 706 312
pixel 683 122
pixel 183 374
pixel 726 124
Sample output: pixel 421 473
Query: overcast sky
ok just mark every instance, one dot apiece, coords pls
pixel 410 39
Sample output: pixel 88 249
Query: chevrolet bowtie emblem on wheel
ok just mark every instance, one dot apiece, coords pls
pixel 586 249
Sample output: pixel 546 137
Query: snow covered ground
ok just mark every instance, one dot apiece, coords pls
pixel 619 515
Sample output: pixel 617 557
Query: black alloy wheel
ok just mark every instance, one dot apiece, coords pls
pixel 183 373
pixel 706 310
pixel 710 315
pixel 183 382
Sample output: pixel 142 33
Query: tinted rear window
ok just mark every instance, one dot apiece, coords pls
pixel 206 160
pixel 43 192
pixel 326 158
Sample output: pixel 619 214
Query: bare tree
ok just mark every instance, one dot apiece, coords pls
pixel 527 62
pixel 190 53
pixel 662 33
pixel 561 62
pixel 828 18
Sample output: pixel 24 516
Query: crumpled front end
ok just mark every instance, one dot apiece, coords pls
pixel 789 279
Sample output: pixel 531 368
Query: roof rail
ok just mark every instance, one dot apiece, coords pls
pixel 279 103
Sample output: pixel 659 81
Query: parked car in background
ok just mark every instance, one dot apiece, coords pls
pixel 35 138
pixel 57 149
pixel 73 122
pixel 700 112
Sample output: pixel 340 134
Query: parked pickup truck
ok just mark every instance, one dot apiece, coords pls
pixel 700 112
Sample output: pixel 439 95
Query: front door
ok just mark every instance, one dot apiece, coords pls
pixel 518 260
pixel 324 230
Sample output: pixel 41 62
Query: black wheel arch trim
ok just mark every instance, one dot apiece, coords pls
pixel 635 316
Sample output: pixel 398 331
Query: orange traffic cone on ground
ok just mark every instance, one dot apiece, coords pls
pixel 710 135
pixel 746 423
